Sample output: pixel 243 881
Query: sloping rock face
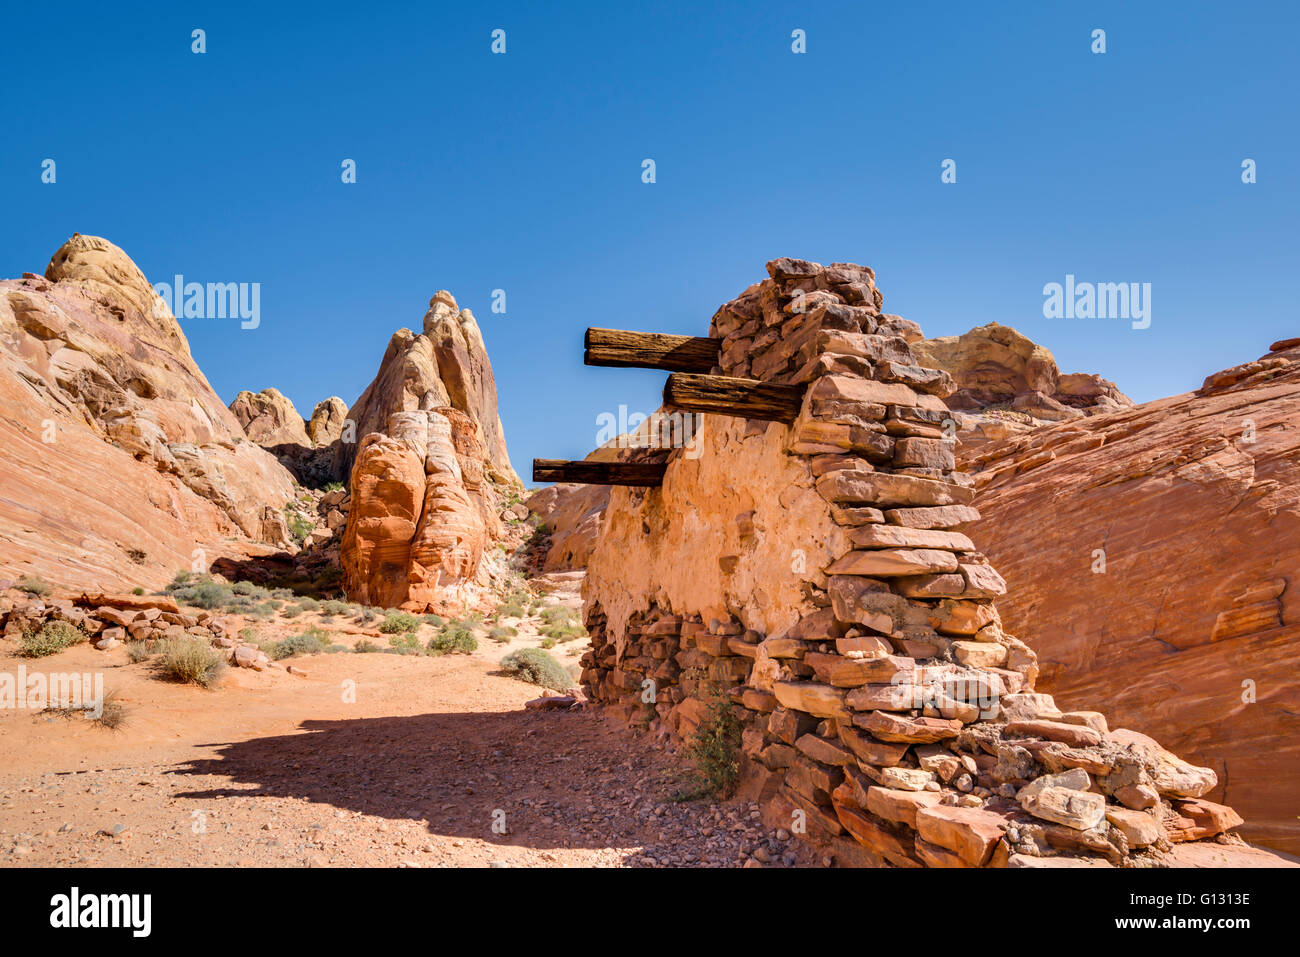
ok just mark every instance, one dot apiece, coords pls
pixel 810 575
pixel 1007 384
pixel 1152 557
pixel 421 517
pixel 573 515
pixel 117 459
pixel 445 366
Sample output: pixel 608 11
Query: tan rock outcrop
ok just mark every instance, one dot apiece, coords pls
pixel 326 424
pixel 1006 384
pixel 118 458
pixel 269 418
pixel 446 365
pixel 1151 556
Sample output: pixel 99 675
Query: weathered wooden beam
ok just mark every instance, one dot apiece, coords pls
pixel 729 396
pixel 599 473
pixel 650 350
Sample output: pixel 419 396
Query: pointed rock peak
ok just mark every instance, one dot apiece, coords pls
pixel 442 309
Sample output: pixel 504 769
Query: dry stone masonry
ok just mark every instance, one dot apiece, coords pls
pixel 810 573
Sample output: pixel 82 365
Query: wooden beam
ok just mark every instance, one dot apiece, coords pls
pixel 599 473
pixel 650 350
pixel 729 396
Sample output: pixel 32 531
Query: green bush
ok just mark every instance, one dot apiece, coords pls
pixel 714 750
pixel 404 645
pixel 396 622
pixel 547 642
pixel 52 637
pixel 299 526
pixel 567 631
pixel 308 604
pixel 503 634
pixel 365 646
pixel 311 642
pixel 139 651
pixel 34 586
pixel 251 590
pixel 206 594
pixel 559 615
pixel 137 590
pixel 333 607
pixel 436 620
pixel 193 660
pixel 537 667
pixel 453 638
pixel 510 609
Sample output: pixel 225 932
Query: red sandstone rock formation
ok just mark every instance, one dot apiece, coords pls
pixel 1151 555
pixel 118 459
pixel 425 491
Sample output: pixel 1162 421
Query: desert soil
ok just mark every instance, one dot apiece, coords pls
pixel 410 769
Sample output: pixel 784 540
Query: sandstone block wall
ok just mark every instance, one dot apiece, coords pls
pixel 812 575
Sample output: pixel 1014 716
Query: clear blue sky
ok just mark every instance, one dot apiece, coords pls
pixel 523 172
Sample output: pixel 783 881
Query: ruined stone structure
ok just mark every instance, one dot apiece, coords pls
pixel 807 571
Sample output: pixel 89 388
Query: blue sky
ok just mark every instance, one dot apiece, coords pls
pixel 522 172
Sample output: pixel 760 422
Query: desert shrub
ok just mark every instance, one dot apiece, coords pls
pixel 206 594
pixel 33 586
pixel 502 634
pixel 365 646
pixel 181 578
pixel 251 590
pixel 333 487
pixel 714 750
pixel 311 642
pixel 365 615
pixel 113 713
pixel 265 610
pixel 308 604
pixel 335 649
pixel 193 660
pixel 139 651
pixel 436 620
pixel 547 642
pixel 292 611
pixel 404 645
pixel 453 638
pixel 283 594
pixel 333 607
pixel 558 614
pixel 510 609
pixel 299 526
pixel 567 631
pixel 137 590
pixel 537 667
pixel 396 622
pixel 50 638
